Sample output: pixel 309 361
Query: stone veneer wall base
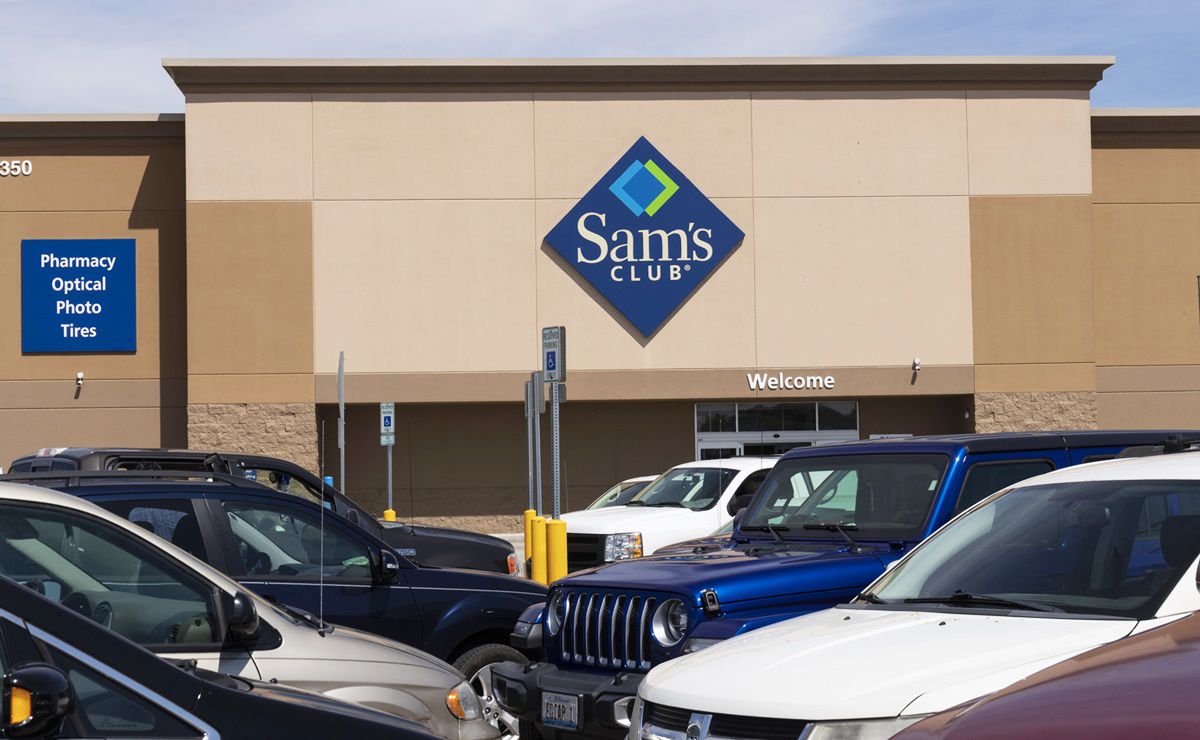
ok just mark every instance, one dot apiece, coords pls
pixel 1038 411
pixel 285 430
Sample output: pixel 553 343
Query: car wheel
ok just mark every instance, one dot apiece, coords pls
pixel 476 664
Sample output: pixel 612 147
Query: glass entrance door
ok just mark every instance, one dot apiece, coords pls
pixel 771 428
pixel 718 450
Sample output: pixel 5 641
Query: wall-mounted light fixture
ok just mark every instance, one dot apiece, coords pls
pixel 79 378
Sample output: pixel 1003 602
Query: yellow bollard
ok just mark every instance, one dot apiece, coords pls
pixel 538 559
pixel 556 549
pixel 529 515
pixel 389 515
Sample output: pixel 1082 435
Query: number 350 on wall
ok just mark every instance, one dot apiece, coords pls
pixel 15 168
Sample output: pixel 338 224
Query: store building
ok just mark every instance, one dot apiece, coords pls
pixel 748 255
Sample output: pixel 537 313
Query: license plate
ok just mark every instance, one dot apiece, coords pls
pixel 560 710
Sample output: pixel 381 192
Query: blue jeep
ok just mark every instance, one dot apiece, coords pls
pixel 824 524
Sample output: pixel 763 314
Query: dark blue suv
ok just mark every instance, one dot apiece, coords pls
pixel 290 550
pixel 824 523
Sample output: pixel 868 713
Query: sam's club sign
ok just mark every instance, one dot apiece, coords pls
pixel 645 237
pixel 78 295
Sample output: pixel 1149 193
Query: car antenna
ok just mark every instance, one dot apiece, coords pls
pixel 321 569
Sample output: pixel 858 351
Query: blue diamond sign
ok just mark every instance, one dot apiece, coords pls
pixel 645 237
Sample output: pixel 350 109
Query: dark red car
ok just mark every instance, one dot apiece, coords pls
pixel 1139 687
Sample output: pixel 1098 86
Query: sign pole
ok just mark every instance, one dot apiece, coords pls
pixel 341 382
pixel 387 440
pixel 554 367
pixel 539 400
pixel 555 449
pixel 530 414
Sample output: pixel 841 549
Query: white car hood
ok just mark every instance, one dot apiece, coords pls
pixel 864 663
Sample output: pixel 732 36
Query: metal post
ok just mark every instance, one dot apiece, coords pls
pixel 530 414
pixel 538 394
pixel 555 449
pixel 389 449
pixel 342 423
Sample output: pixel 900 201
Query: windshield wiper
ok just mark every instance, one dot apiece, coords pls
pixel 304 616
pixel 667 503
pixel 840 529
pixel 871 598
pixel 774 529
pixel 636 502
pixel 962 598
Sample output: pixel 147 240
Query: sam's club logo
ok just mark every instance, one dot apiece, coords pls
pixel 645 237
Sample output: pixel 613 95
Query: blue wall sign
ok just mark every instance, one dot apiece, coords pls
pixel 78 295
pixel 645 237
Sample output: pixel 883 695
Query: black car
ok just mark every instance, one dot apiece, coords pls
pixel 288 549
pixel 65 675
pixel 432 546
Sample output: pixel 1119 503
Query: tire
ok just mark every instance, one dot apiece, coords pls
pixel 476 664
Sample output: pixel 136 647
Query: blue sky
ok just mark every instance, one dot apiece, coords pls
pixel 104 56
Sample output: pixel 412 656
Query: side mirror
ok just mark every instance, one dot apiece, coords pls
pixel 37 698
pixel 389 566
pixel 243 618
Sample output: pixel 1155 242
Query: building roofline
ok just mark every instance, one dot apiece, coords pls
pixel 1146 127
pixel 365 75
pixel 86 126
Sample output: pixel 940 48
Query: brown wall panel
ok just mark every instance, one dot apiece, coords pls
pixel 914 415
pixel 1031 279
pixel 95 174
pixel 1146 175
pixel 456 459
pixel 250 289
pixel 1147 267
pixel 23 431
pixel 1154 410
pixel 161 333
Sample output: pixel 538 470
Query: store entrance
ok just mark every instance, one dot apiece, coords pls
pixel 756 428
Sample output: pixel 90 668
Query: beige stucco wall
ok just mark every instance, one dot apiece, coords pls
pixel 837 191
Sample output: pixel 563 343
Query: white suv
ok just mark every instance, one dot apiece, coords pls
pixel 142 587
pixel 688 501
pixel 1029 577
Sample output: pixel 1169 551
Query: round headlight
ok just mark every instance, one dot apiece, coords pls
pixel 670 622
pixel 555 613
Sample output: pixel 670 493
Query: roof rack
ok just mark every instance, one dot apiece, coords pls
pixel 74 477
pixel 1174 444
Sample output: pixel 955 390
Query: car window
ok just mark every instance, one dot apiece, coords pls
pixel 283 482
pixel 985 478
pixel 287 542
pixel 107 709
pixel 110 576
pixel 690 488
pixel 174 521
pixel 882 496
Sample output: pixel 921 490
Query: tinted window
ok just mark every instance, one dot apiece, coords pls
pixel 282 482
pixel 1097 547
pixel 107 575
pixel 984 479
pixel 282 541
pixel 107 709
pixel 174 521
pixel 689 488
pixel 883 496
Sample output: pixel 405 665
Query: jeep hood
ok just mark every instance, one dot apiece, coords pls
pixel 740 575
pixel 848 663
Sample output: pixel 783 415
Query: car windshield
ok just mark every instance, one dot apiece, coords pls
pixel 689 488
pixel 618 495
pixel 884 497
pixel 1109 548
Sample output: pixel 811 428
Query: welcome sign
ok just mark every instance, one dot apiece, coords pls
pixel 645 237
pixel 78 295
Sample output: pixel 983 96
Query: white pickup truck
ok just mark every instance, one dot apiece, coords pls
pixel 688 501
